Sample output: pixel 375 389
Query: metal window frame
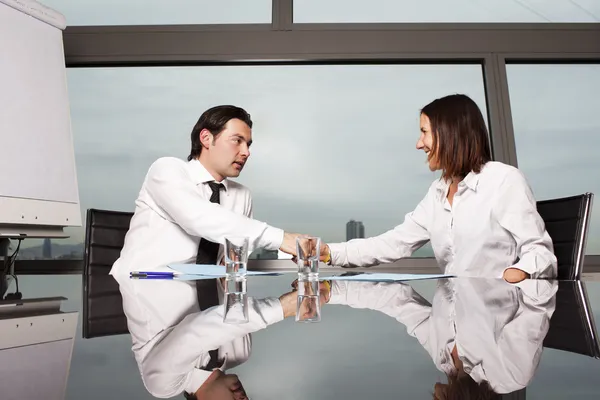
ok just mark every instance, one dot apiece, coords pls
pixel 283 42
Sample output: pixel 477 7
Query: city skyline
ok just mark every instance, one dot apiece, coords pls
pixel 354 230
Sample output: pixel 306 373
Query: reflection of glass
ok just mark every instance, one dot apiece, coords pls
pixel 308 308
pixel 236 298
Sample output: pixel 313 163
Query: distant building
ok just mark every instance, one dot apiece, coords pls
pixel 354 230
pixel 47 249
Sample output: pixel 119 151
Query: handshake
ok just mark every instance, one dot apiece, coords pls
pixel 289 246
pixel 308 295
pixel 306 309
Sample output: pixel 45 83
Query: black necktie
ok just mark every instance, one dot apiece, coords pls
pixel 206 289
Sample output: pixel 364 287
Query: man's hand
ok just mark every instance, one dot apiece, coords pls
pixel 236 387
pixel 324 291
pixel 514 275
pixel 220 386
pixel 289 301
pixel 324 254
pixel 289 243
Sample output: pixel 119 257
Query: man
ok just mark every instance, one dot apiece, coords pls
pixel 183 213
pixel 176 359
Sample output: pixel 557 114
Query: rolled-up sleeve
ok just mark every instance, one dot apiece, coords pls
pixel 516 211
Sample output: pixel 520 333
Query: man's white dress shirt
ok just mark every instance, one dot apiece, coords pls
pixel 498 328
pixel 171 338
pixel 492 225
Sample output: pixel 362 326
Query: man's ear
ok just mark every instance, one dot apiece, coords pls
pixel 205 138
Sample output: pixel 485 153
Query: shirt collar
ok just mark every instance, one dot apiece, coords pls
pixel 201 175
pixel 471 181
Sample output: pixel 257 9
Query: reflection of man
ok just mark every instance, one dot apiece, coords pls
pixel 173 352
pixel 183 213
pixel 486 335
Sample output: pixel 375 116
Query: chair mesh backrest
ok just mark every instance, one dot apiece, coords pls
pixel 572 327
pixel 102 302
pixel 567 221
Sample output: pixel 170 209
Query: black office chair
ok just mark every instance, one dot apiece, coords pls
pixel 572 327
pixel 102 302
pixel 567 221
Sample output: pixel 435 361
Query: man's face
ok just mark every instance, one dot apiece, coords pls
pixel 425 142
pixel 227 154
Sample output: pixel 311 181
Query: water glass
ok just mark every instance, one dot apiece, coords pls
pixel 236 297
pixel 236 249
pixel 308 308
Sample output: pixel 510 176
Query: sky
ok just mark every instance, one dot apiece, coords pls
pixel 331 143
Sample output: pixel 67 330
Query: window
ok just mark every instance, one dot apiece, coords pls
pixel 554 110
pixel 160 12
pixel 381 11
pixel 331 143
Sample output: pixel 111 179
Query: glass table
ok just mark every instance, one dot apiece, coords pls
pixel 359 352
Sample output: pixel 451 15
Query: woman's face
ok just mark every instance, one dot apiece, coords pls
pixel 425 142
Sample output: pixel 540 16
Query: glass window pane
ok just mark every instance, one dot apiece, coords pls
pixel 161 12
pixel 556 126
pixel 331 143
pixel 381 11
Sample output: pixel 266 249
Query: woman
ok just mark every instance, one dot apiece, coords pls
pixel 485 335
pixel 480 216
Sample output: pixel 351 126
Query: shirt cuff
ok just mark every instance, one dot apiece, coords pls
pixel 337 250
pixel 196 379
pixel 272 238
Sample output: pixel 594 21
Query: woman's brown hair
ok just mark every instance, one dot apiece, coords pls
pixel 465 388
pixel 461 142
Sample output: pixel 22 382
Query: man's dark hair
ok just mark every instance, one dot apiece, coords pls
pixel 461 142
pixel 214 119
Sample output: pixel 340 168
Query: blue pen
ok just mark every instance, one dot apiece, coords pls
pixel 152 275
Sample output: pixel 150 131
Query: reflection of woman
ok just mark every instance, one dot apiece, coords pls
pixel 484 334
pixel 480 216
